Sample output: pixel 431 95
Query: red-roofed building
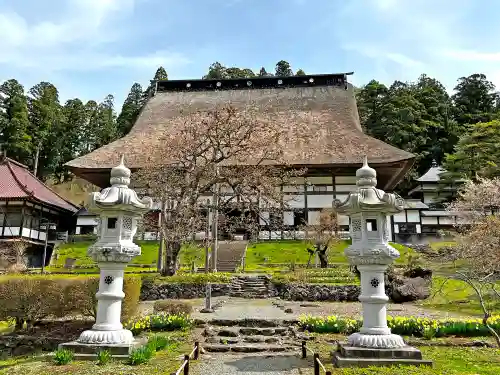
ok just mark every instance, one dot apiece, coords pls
pixel 26 204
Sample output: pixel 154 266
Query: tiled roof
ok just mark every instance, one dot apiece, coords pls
pixel 16 181
pixel 433 174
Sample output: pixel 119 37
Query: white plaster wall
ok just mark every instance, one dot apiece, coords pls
pixel 324 180
pixel 293 188
pixel 429 197
pixel 343 219
pixel 413 216
pixel 11 231
pixel 86 220
pixel 345 180
pixel 400 217
pixel 26 232
pixel 419 228
pixel 345 188
pixel 313 217
pixel 446 221
pixel 396 228
pixel 320 201
pixel 288 218
pixel 295 201
pixel 429 220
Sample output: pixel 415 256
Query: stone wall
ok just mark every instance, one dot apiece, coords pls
pixel 152 292
pixel 316 292
pixel 16 345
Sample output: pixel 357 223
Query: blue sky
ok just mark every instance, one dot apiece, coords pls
pixel 89 48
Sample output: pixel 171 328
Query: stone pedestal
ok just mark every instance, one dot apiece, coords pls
pixel 354 356
pixel 371 253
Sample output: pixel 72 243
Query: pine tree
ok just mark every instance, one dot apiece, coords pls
pixel 45 117
pixel 161 74
pixel 130 109
pixel 15 138
pixel 107 130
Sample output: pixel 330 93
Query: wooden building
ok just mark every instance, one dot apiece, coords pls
pixel 425 215
pixel 28 210
pixel 327 99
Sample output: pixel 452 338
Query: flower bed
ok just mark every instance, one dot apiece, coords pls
pixel 409 326
pixel 159 322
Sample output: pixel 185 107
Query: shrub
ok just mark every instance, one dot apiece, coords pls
pixel 158 342
pixel 63 356
pixel 173 307
pixel 408 326
pixel 159 322
pixel 21 297
pixel 140 355
pixel 104 357
pixel 195 278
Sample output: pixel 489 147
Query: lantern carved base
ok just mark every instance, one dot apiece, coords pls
pixel 122 336
pixel 389 341
pixel 353 356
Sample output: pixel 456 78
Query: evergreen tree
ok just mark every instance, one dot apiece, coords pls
pixel 474 100
pixel 300 72
pixel 216 71
pixel 160 75
pixel 264 73
pixel 15 138
pixel 130 109
pixel 283 69
pixel 106 122
pixel 91 140
pixel 45 117
pixel 476 154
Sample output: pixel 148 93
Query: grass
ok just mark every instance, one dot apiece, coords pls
pixel 165 362
pixel 281 254
pixel 447 360
pixel 149 255
pixel 456 295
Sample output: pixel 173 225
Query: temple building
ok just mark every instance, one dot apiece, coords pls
pixel 31 215
pixel 425 217
pixel 327 99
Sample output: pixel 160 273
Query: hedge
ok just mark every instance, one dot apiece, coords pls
pixel 408 326
pixel 29 299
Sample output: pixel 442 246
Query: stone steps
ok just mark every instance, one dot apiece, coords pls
pixel 250 287
pixel 250 336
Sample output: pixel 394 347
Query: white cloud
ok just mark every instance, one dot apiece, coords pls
pixel 470 55
pixel 79 39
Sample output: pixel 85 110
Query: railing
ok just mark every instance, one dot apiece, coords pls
pixel 317 362
pixel 184 368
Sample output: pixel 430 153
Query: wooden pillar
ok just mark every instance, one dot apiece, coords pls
pixel 5 218
pixel 22 219
pixel 306 209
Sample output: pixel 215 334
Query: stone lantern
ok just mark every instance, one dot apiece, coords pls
pixel 119 209
pixel 370 251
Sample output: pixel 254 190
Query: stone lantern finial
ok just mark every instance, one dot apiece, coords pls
pixel 120 175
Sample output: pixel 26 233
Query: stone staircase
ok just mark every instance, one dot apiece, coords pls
pixel 229 256
pixel 250 336
pixel 250 286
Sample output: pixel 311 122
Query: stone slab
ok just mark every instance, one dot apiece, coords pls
pixel 349 356
pixel 89 351
pixel 406 352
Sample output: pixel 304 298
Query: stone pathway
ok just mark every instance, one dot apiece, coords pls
pixel 240 308
pixel 252 364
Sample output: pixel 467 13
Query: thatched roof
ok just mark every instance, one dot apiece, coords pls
pixel 325 104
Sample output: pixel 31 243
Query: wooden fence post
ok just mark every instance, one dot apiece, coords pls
pixel 316 364
pixel 304 350
pixel 186 368
pixel 197 350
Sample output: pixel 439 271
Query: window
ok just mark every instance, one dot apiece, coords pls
pixel 299 218
pixel 371 225
pixel 408 228
pixel 320 188
pixel 112 222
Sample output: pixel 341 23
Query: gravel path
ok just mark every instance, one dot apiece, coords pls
pixel 252 365
pixel 239 308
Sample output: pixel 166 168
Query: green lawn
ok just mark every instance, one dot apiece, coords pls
pixel 447 360
pixel 286 252
pixel 455 295
pixel 165 362
pixel 149 254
